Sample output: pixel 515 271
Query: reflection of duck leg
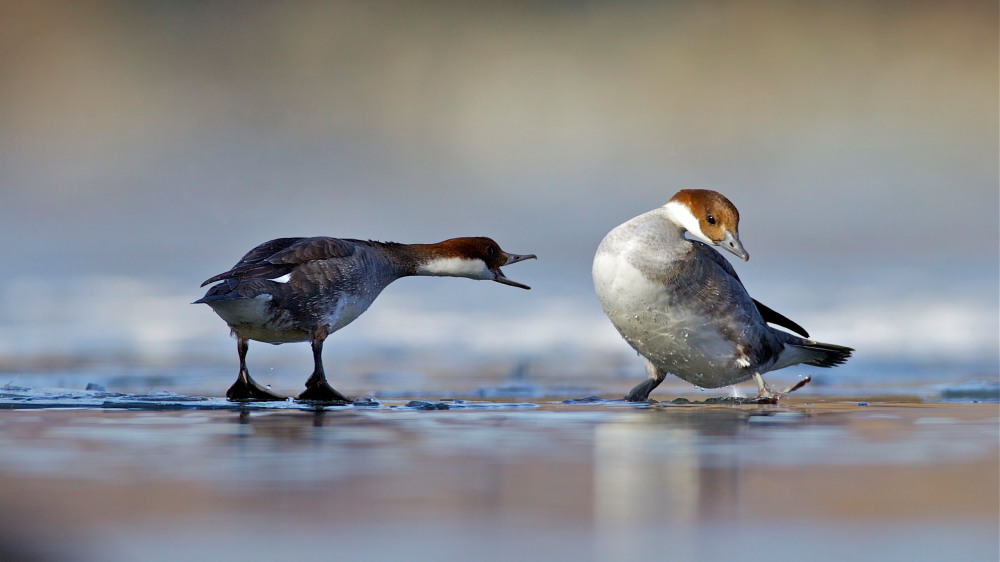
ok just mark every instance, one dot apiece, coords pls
pixel 245 388
pixel 767 396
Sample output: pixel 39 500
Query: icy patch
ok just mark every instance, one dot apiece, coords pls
pixel 14 397
pixel 985 391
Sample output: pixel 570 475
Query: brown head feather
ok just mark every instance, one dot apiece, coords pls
pixel 715 213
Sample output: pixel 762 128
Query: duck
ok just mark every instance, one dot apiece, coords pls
pixel 681 306
pixel 306 288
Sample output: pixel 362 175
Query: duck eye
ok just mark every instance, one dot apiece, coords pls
pixel 490 251
pixel 710 219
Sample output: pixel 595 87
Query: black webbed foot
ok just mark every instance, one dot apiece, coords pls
pixel 317 388
pixel 321 391
pixel 245 388
pixel 641 391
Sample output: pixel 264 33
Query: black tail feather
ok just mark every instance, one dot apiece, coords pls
pixel 830 355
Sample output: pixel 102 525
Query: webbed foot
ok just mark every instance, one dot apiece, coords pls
pixel 640 393
pixel 637 397
pixel 245 388
pixel 321 391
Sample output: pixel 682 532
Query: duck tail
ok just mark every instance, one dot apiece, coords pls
pixel 825 354
pixel 221 291
pixel 809 352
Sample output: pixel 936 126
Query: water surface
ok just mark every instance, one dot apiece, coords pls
pixel 169 477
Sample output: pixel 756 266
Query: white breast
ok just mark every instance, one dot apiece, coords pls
pixel 668 333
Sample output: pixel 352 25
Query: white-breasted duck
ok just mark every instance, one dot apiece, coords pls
pixel 680 304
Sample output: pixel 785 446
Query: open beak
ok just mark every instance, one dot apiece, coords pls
pixel 499 277
pixel 732 244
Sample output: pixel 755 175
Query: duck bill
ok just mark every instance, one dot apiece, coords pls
pixel 731 243
pixel 514 258
pixel 499 277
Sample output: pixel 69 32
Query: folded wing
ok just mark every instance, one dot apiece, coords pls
pixel 280 256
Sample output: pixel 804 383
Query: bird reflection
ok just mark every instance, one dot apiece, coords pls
pixel 660 468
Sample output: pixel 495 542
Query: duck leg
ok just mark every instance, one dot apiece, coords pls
pixel 640 393
pixel 245 388
pixel 767 396
pixel 764 393
pixel 318 389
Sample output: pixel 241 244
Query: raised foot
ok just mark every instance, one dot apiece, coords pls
pixel 243 390
pixel 767 396
pixel 322 392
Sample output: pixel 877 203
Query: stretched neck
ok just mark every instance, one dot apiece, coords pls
pixel 435 261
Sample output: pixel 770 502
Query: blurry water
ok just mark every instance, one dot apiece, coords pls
pixel 557 482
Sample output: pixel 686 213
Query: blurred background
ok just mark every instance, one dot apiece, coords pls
pixel 145 146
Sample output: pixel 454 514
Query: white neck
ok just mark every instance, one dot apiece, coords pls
pixel 455 267
pixel 681 215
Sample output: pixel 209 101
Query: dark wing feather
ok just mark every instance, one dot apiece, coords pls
pixel 266 250
pixel 706 252
pixel 278 257
pixel 316 248
pixel 770 316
